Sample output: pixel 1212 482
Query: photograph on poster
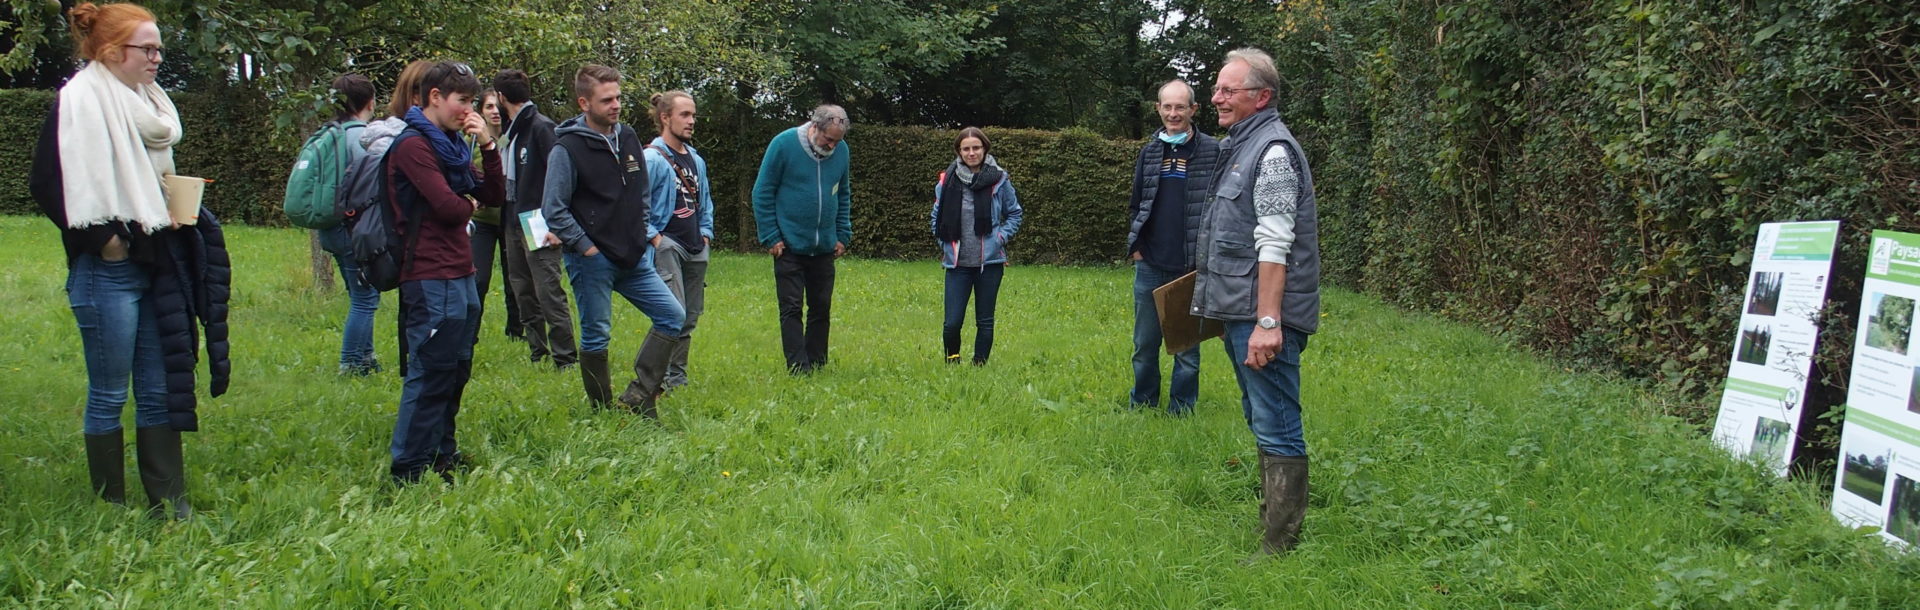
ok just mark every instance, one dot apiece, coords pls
pixel 1766 293
pixel 1770 440
pixel 1913 392
pixel 1903 517
pixel 1890 324
pixel 1866 474
pixel 1754 342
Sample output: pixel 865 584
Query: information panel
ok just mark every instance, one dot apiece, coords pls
pixel 1773 351
pixel 1879 479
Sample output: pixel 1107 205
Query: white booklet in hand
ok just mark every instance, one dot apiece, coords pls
pixel 535 226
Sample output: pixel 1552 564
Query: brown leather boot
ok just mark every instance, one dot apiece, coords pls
pixel 1283 506
pixel 593 374
pixel 106 465
pixel 650 374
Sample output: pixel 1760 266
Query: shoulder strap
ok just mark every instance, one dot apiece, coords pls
pixel 411 210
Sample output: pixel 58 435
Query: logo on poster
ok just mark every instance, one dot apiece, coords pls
pixel 1882 258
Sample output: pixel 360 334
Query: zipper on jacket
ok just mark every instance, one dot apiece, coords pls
pixel 819 201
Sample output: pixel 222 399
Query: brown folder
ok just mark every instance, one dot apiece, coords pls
pixel 1178 326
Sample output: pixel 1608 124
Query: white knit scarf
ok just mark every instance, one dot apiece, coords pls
pixel 115 144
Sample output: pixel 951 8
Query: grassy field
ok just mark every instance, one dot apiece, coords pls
pixel 1450 470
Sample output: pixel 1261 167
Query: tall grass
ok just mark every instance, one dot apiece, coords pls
pixel 1450 470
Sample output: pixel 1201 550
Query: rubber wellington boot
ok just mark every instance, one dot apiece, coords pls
pixel 163 472
pixel 650 374
pixel 106 465
pixel 1283 506
pixel 593 374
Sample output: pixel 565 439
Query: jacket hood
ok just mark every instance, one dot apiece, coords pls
pixel 380 134
pixel 578 124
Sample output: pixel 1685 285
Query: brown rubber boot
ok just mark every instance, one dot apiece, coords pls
pixel 1283 506
pixel 163 472
pixel 593 374
pixel 650 374
pixel 106 465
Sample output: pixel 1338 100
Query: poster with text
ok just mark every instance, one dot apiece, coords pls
pixel 1773 348
pixel 1879 479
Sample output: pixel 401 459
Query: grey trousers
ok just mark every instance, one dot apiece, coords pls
pixel 536 276
pixel 685 275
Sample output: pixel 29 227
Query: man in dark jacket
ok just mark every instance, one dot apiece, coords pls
pixel 1170 180
pixel 596 201
pixel 533 271
pixel 433 186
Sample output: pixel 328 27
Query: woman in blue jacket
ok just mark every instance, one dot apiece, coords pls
pixel 975 212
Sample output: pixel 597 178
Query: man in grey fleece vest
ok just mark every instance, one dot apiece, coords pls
pixel 1259 273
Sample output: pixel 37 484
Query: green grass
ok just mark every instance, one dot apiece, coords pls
pixel 1450 470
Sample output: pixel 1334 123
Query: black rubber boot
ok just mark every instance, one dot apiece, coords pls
pixel 593 374
pixel 1283 506
pixel 107 466
pixel 650 374
pixel 163 472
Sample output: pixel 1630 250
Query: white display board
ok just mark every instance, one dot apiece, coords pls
pixel 1773 348
pixel 1878 483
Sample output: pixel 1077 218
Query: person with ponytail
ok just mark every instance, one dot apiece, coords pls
pixel 353 106
pixel 137 280
pixel 681 222
pixel 975 212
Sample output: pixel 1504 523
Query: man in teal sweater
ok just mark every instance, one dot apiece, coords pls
pixel 802 201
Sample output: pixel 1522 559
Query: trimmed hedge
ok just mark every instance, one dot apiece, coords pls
pixel 226 140
pixel 1073 184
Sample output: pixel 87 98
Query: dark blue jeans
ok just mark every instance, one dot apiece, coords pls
pixel 442 321
pixel 356 339
pixel 1185 387
pixel 1270 395
pixel 982 283
pixel 121 340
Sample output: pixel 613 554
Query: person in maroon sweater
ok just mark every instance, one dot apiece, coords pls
pixel 430 172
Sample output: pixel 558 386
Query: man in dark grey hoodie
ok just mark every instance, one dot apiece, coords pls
pixel 596 204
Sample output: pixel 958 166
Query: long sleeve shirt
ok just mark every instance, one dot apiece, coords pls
pixel 444 251
pixel 1276 199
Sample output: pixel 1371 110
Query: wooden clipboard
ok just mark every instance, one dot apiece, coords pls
pixel 1180 329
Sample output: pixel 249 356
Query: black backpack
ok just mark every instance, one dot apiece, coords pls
pixel 377 246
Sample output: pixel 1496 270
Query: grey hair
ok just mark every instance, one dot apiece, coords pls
pixel 830 116
pixel 1260 71
pixel 1191 94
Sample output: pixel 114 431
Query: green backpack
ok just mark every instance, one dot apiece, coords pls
pixel 316 175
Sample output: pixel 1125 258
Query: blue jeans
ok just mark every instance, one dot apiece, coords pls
pixel 121 339
pixel 1185 388
pixel 442 321
pixel 980 282
pixel 1270 395
pixel 356 340
pixel 594 282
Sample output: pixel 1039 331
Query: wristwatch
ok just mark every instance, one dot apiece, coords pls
pixel 1267 322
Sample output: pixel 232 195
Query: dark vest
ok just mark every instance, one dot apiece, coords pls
pixel 1229 263
pixel 1200 173
pixel 610 194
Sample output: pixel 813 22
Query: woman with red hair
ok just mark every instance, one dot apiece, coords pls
pixel 137 279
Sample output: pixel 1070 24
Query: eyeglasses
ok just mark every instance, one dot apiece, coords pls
pixel 463 69
pixel 153 53
pixel 1174 107
pixel 1217 90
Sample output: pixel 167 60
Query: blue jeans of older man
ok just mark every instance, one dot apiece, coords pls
pixel 1270 395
